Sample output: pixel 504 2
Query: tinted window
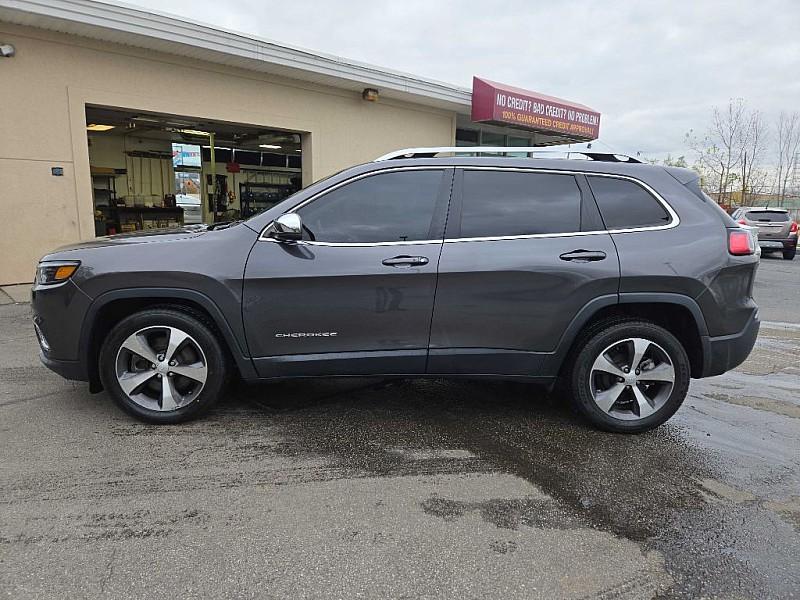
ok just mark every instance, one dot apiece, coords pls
pixel 388 207
pixel 500 203
pixel 770 216
pixel 625 204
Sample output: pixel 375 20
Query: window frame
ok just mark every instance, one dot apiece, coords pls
pixel 441 208
pixel 453 232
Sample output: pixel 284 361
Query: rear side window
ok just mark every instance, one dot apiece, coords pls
pixel 767 216
pixel 504 203
pixel 387 207
pixel 625 204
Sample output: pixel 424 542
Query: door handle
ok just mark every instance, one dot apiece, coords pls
pixel 583 255
pixel 409 261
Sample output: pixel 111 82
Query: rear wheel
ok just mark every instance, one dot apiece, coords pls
pixel 629 376
pixel 163 365
pixel 790 253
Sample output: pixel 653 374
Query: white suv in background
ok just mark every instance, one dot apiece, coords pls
pixel 777 231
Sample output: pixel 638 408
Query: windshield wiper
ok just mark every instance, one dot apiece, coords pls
pixel 224 224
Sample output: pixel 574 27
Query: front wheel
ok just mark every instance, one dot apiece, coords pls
pixel 163 365
pixel 629 376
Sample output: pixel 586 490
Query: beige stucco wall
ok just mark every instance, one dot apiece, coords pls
pixel 44 90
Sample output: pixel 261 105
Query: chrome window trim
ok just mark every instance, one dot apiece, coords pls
pixel 263 237
pixel 674 222
pixel 675 219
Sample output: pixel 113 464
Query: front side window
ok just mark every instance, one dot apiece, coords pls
pixel 507 203
pixel 626 205
pixel 386 207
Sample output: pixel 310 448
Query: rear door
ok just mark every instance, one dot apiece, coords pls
pixel 356 295
pixel 524 252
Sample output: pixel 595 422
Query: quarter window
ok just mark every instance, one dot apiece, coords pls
pixel 505 203
pixel 625 204
pixel 387 207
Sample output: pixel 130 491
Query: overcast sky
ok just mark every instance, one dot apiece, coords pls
pixel 653 69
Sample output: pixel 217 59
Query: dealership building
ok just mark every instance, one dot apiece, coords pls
pixel 116 119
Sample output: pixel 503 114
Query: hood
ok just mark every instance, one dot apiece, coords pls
pixel 138 237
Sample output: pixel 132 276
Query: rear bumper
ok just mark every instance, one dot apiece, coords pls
pixel 69 369
pixel 773 244
pixel 727 352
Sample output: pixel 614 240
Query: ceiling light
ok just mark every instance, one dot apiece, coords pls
pixel 95 127
pixel 269 146
pixel 189 131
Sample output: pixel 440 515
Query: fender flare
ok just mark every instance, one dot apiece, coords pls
pixel 590 309
pixel 236 346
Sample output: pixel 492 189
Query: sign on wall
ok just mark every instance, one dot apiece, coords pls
pixel 498 103
pixel 185 155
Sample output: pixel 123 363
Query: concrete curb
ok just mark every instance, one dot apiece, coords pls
pixel 780 325
pixel 15 294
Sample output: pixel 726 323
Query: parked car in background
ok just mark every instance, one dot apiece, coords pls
pixel 777 231
pixel 616 280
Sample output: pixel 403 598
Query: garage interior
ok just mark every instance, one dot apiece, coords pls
pixel 153 171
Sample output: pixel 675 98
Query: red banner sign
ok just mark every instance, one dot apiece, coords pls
pixel 498 103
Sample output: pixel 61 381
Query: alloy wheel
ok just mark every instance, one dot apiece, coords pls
pixel 632 379
pixel 161 368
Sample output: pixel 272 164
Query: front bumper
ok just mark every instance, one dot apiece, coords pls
pixel 726 352
pixel 69 369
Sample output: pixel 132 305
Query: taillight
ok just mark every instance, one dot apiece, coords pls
pixel 740 242
pixel 793 228
pixel 742 222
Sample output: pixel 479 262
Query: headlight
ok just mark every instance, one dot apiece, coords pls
pixel 48 273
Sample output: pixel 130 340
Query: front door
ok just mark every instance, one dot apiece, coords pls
pixel 525 251
pixel 355 296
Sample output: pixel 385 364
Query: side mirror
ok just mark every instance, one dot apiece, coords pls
pixel 287 228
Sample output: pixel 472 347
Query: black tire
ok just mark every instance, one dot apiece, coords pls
pixel 605 334
pixel 790 253
pixel 201 331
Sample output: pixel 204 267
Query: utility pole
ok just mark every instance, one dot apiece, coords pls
pixel 743 201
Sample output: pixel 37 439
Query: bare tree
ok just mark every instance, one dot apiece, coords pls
pixel 751 144
pixel 730 154
pixel 718 151
pixel 788 141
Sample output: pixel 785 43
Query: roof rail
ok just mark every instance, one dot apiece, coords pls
pixel 529 151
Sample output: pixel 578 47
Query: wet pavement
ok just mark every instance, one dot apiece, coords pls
pixel 405 489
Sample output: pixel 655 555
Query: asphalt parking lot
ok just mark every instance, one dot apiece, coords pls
pixel 405 489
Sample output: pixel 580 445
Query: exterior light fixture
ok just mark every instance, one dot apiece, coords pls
pixel 370 94
pixel 98 127
pixel 7 50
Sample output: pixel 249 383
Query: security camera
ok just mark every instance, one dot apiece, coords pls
pixel 7 50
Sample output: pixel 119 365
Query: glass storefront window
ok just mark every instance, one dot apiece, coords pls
pixel 518 142
pixel 467 137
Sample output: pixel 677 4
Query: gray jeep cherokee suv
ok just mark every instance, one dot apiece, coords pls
pixel 619 281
